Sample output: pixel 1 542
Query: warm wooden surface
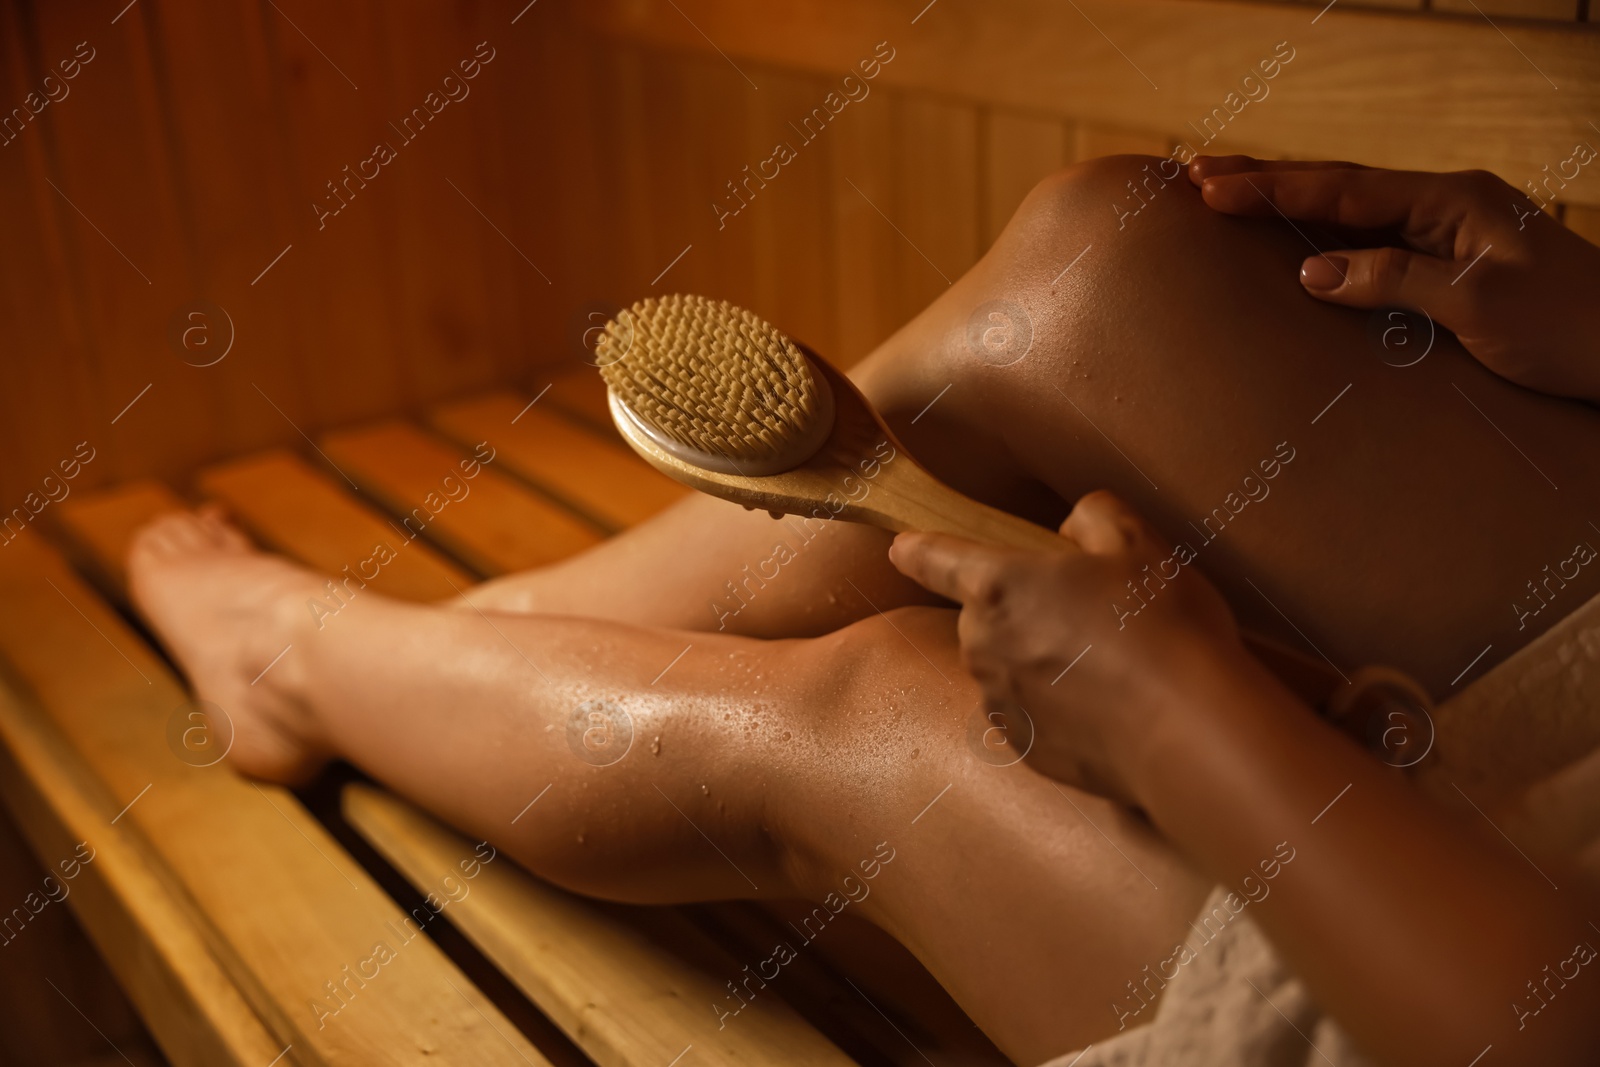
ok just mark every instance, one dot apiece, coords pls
pixel 149 934
pixel 1387 88
pixel 290 506
pixel 607 983
pixel 283 908
pixel 420 480
pixel 562 458
pixel 101 525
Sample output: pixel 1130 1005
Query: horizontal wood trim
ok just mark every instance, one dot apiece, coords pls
pixel 1394 89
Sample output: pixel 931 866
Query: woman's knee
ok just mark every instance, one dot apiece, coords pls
pixel 1108 195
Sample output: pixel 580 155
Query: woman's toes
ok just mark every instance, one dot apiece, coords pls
pixel 220 533
pixel 188 533
pixel 154 540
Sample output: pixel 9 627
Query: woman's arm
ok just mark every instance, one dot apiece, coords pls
pixel 1423 938
pixel 1426 941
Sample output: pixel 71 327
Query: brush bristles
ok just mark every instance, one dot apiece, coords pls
pixel 710 376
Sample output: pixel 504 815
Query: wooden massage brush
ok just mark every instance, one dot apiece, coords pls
pixel 717 398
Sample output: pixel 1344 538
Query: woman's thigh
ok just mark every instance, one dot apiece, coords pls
pixel 1352 483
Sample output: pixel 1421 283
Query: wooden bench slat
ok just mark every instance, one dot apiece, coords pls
pixel 100 525
pixel 284 909
pixel 421 479
pixel 148 935
pixel 291 507
pixel 570 462
pixel 582 394
pixel 649 1008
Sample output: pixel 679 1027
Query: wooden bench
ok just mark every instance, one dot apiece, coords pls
pixel 231 910
pixel 235 916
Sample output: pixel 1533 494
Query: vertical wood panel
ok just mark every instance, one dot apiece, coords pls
pixel 626 166
pixel 695 112
pixel 550 130
pixel 869 251
pixel 519 290
pixel 1018 151
pixel 440 239
pixel 45 387
pixel 793 224
pixel 937 177
pixel 122 230
pixel 341 270
pixel 1090 141
pixel 1583 221
pixel 216 92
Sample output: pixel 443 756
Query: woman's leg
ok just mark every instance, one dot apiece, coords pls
pixel 660 766
pixel 1430 512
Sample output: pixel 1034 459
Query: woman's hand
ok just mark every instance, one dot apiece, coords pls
pixel 1097 646
pixel 1477 256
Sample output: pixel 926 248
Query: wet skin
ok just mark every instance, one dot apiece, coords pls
pixel 814 728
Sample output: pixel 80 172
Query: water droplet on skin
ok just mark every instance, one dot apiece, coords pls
pixel 655 745
pixel 705 790
pixel 915 753
pixel 786 735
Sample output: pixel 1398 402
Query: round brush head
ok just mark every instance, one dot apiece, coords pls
pixel 714 385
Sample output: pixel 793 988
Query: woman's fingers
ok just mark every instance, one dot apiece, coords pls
pixel 953 567
pixel 1389 277
pixel 1203 167
pixel 977 574
pixel 1424 206
pixel 1102 524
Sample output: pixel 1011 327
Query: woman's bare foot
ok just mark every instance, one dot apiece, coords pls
pixel 231 615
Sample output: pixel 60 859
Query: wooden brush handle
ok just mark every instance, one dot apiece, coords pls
pixel 919 501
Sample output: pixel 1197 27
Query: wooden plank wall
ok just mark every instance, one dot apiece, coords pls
pixel 581 171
